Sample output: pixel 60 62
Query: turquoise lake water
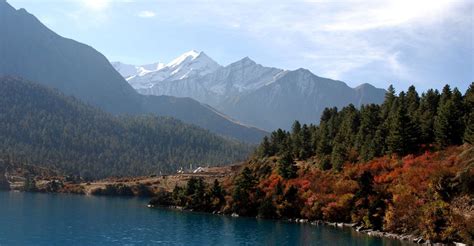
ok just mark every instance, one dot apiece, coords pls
pixel 57 219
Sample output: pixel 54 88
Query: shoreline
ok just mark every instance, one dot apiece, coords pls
pixel 155 184
pixel 407 238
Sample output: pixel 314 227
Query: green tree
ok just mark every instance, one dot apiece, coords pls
pixel 244 189
pixel 344 140
pixel 448 124
pixel 366 135
pixel 413 102
pixel 469 112
pixel 265 148
pixel 427 114
pixel 296 139
pixel 286 166
pixel 402 133
pixel 469 132
pixel 306 149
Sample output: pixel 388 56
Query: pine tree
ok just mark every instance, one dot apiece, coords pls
pixel 324 141
pixel 448 124
pixel 388 102
pixel 279 141
pixel 296 139
pixel 402 134
pixel 338 156
pixel 427 112
pixel 413 102
pixel 306 149
pixel 386 108
pixel 217 192
pixel 216 189
pixel 469 112
pixel 369 122
pixel 469 132
pixel 191 186
pixel 244 187
pixel 458 117
pixel 286 166
pixel 265 148
pixel 469 99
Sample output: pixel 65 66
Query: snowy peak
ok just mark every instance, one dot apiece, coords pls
pixel 266 97
pixel 189 64
pixel 184 58
pixel 152 67
pixel 130 71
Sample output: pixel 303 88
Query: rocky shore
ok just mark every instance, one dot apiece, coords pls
pixel 410 238
pixel 375 233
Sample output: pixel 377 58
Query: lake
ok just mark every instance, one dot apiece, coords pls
pixel 58 219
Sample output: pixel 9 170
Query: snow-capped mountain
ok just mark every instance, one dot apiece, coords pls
pixel 265 97
pixel 189 64
pixel 297 95
pixel 240 77
pixel 128 71
pixel 225 83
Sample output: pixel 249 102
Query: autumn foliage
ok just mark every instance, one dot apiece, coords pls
pixel 429 194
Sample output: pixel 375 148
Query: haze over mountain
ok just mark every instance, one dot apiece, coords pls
pixel 265 97
pixel 30 50
pixel 42 127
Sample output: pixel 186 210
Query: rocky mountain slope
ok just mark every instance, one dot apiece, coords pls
pixel 266 97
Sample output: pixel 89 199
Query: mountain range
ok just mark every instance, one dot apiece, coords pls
pixel 30 50
pixel 265 97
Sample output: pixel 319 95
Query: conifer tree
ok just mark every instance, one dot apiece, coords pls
pixel 265 148
pixel 469 112
pixel 296 139
pixel 448 124
pixel 324 141
pixel 217 192
pixel 286 166
pixel 388 102
pixel 306 149
pixel 427 112
pixel 413 102
pixel 401 137
pixel 469 132
pixel 369 122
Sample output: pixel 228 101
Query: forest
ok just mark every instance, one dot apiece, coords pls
pixel 42 127
pixel 405 166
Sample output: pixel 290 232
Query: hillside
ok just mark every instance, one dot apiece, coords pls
pixel 403 168
pixel 32 51
pixel 43 127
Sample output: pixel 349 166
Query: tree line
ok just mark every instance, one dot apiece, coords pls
pixel 403 124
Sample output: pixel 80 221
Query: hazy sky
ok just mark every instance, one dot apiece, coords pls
pixel 427 43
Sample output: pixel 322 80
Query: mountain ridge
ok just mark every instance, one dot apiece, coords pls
pixel 238 90
pixel 32 51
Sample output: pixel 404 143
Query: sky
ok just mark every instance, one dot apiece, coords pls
pixel 427 43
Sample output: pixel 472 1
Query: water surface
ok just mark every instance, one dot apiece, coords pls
pixel 58 219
